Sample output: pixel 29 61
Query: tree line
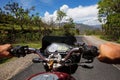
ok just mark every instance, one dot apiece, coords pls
pixel 109 15
pixel 17 23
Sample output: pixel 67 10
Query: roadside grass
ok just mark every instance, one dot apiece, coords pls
pixel 106 38
pixel 36 44
pixel 118 40
pixel 5 60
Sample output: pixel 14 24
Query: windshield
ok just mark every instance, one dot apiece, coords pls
pixel 48 40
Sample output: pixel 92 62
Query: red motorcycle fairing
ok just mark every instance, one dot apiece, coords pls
pixel 51 76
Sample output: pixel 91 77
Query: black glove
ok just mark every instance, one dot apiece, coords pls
pixel 19 51
pixel 90 52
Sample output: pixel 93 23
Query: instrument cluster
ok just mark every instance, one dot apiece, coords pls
pixel 58 47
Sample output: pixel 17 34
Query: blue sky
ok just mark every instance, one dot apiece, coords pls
pixel 73 8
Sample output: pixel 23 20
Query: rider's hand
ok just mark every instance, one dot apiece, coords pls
pixel 109 53
pixel 4 50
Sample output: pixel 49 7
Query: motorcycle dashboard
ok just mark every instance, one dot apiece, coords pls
pixel 58 47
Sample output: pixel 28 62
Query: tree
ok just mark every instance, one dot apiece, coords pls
pixel 70 21
pixel 12 8
pixel 51 22
pixel 20 15
pixel 6 18
pixel 68 26
pixel 109 15
pixel 37 21
pixel 23 17
pixel 60 15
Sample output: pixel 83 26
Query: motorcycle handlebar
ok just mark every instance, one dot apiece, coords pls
pixel 70 52
pixel 37 51
pixel 19 51
pixel 33 50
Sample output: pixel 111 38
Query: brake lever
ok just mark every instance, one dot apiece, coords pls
pixel 36 60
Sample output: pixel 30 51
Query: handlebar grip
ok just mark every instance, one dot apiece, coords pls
pixel 19 51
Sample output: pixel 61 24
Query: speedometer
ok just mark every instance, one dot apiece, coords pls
pixel 58 47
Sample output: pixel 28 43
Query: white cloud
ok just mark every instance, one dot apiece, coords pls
pixel 92 21
pixel 81 14
pixel 47 16
pixel 64 8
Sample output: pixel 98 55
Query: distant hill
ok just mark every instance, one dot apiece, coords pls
pixel 96 26
pixel 83 27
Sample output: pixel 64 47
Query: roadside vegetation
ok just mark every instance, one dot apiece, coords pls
pixel 109 16
pixel 19 26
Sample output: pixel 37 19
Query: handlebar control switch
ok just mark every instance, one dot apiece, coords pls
pixel 19 51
